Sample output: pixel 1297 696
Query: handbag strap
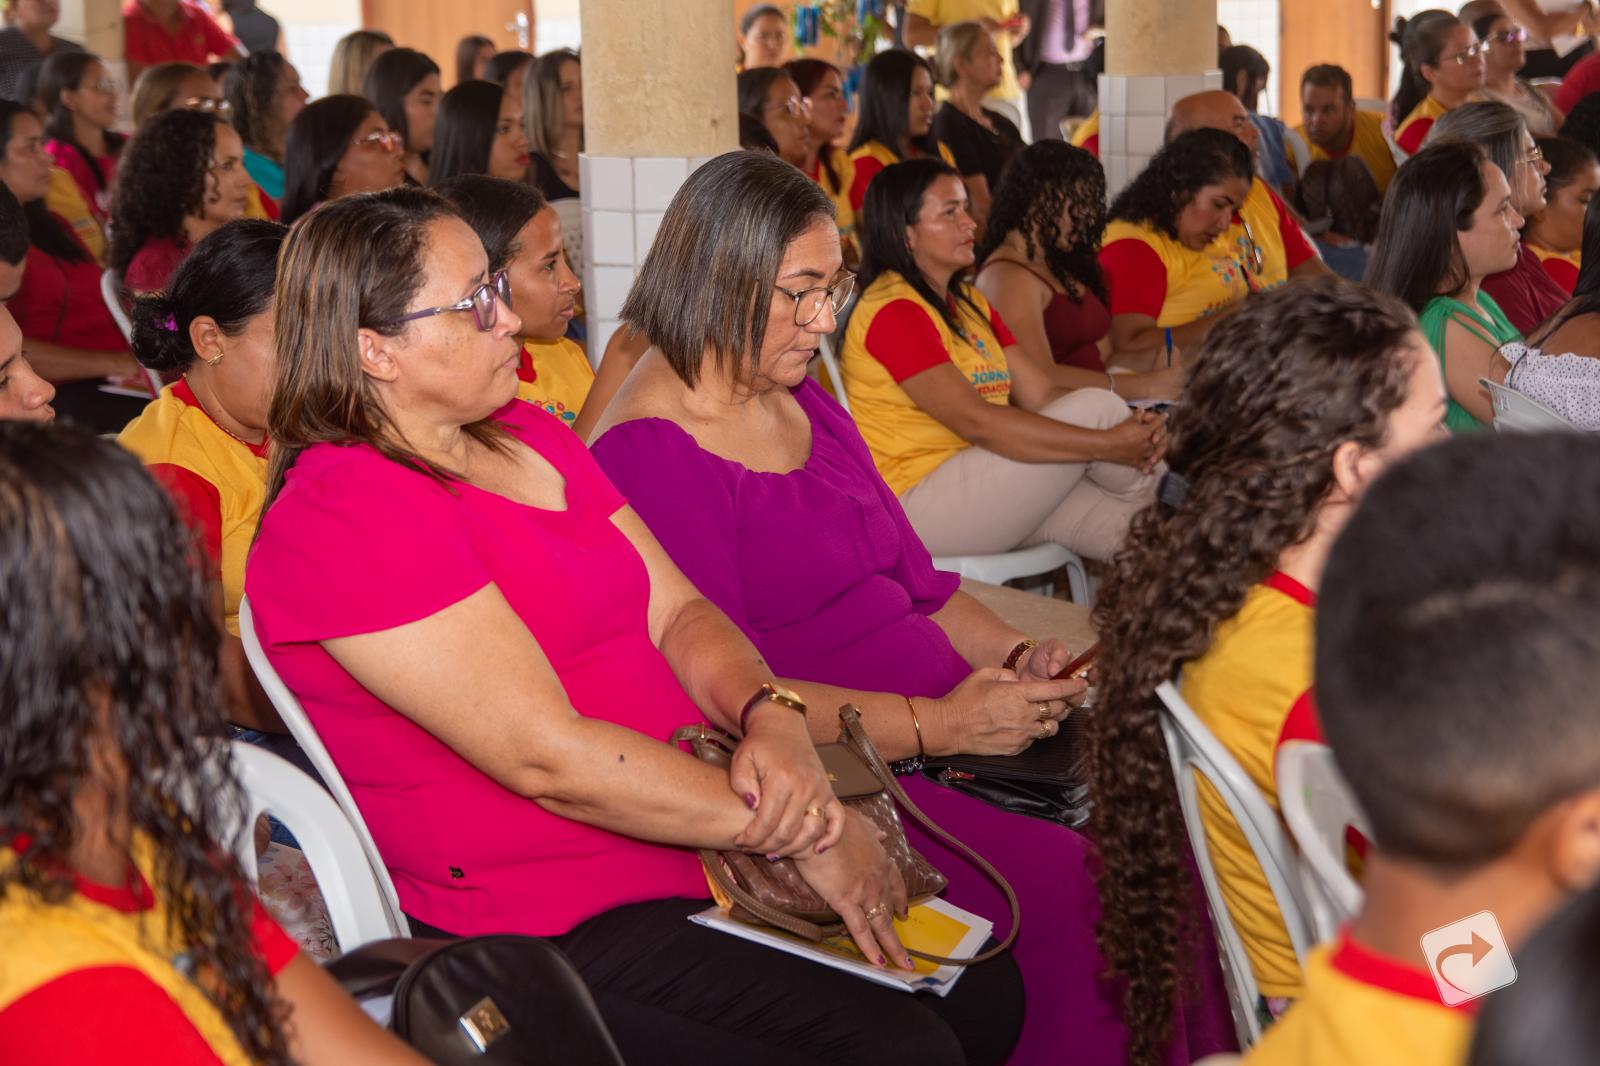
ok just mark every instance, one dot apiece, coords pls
pixel 856 734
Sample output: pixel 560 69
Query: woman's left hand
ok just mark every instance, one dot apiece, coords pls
pixel 776 767
pixel 1045 661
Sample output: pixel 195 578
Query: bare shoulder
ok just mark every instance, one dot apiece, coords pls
pixel 651 390
pixel 1004 278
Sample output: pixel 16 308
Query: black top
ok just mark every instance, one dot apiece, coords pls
pixel 548 182
pixel 18 56
pixel 256 30
pixel 977 150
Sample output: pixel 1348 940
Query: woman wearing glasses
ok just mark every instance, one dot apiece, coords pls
pixel 1525 293
pixel 501 713
pixel 985 452
pixel 338 146
pixel 1444 68
pixel 761 489
pixel 80 98
pixel 771 97
pixel 181 178
pixel 1505 40
pixel 1171 269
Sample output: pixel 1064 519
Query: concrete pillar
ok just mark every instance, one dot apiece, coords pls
pixel 1157 52
pixel 658 100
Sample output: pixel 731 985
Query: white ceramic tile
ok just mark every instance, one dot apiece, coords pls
pixel 1212 79
pixel 607 290
pixel 600 332
pixel 1147 95
pixel 656 179
pixel 699 161
pixel 1180 85
pixel 1136 165
pixel 1113 134
pixel 607 182
pixel 645 224
pixel 608 237
pixel 1116 174
pixel 1144 134
pixel 1113 94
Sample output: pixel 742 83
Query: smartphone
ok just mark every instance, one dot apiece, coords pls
pixel 1079 667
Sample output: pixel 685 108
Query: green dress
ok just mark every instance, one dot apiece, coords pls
pixel 1485 321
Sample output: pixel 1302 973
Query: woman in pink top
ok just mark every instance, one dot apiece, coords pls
pixel 495 650
pixel 80 97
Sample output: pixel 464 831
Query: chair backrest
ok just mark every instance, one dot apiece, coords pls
pixel 111 293
pixel 294 716
pixel 830 366
pixel 1297 144
pixel 1319 808
pixel 349 888
pixel 1517 413
pixel 1192 748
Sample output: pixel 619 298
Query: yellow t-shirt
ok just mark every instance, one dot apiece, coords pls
pixel 64 199
pixel 1367 144
pixel 555 375
pixel 838 189
pixel 1563 267
pixel 1088 131
pixel 218 482
pixel 1410 134
pixel 1252 689
pixel 945 12
pixel 92 978
pixel 894 334
pixel 1359 1008
pixel 870 158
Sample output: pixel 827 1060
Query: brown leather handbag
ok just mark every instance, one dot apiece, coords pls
pixel 775 894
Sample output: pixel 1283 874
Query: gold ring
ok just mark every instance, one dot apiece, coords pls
pixel 1044 730
pixel 1044 712
pixel 876 911
pixel 815 812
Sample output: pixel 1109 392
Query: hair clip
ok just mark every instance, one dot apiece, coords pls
pixel 171 324
pixel 1173 489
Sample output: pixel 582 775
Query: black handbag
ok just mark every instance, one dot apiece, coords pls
pixel 482 999
pixel 1045 780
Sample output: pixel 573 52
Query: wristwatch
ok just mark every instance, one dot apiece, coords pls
pixel 770 693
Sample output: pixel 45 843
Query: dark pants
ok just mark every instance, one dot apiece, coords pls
pixel 673 992
pixel 1058 91
pixel 103 412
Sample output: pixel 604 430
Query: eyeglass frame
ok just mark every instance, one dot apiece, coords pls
pixel 847 283
pixel 499 289
pixel 1515 35
pixel 1257 263
pixel 1471 52
pixel 1534 157
pixel 209 105
pixel 390 140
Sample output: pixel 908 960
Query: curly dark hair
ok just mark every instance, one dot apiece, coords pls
pixel 251 87
pixel 1040 184
pixel 108 655
pixel 1274 391
pixel 160 181
pixel 1184 166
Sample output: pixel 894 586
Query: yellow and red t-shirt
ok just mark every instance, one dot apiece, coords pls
pixel 1149 273
pixel 1410 134
pixel 92 979
pixel 838 188
pixel 1359 1008
pixel 1367 143
pixel 65 200
pixel 1252 689
pixel 218 481
pixel 555 375
pixel 895 334
pixel 1562 267
pixel 872 157
pixel 1087 135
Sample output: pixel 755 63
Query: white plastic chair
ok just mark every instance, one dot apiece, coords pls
pixel 1319 808
pixel 1297 145
pixel 1192 748
pixel 294 716
pixel 830 366
pixel 1517 413
pixel 349 890
pixel 111 293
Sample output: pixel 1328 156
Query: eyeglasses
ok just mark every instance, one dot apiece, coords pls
pixel 1468 55
pixel 1516 36
pixel 808 303
pixel 483 303
pixel 209 104
pixel 388 140
pixel 104 85
pixel 1535 156
pixel 791 105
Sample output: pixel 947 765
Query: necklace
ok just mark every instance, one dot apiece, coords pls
pixel 199 403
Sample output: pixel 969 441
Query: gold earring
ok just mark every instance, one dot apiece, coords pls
pixel 215 359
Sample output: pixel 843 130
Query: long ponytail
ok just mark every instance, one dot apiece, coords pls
pixel 1420 39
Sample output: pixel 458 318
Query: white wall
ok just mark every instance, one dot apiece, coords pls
pixel 310 29
pixel 1255 23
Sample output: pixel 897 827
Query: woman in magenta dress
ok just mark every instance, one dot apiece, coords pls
pixel 1040 270
pixel 759 487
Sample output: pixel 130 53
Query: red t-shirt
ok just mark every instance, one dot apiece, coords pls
pixel 153 264
pixel 60 302
pixel 904 339
pixel 1580 81
pixel 197 38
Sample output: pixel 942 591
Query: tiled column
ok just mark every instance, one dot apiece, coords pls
pixel 1157 52
pixel 658 100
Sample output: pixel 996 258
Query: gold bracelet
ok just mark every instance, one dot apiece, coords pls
pixel 1018 652
pixel 912 707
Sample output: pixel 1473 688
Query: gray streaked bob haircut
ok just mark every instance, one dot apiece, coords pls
pixel 1495 127
pixel 707 282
